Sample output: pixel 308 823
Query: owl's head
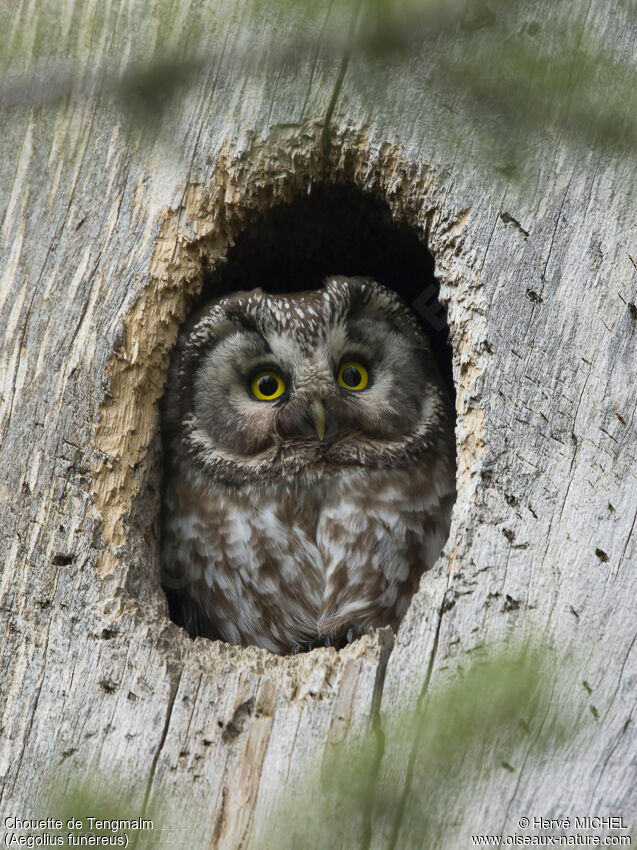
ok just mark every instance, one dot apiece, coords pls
pixel 270 386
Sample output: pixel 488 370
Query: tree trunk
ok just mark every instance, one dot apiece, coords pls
pixel 109 229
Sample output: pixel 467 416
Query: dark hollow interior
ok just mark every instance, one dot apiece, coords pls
pixel 333 230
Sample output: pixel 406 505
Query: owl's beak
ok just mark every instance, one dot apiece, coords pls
pixel 318 415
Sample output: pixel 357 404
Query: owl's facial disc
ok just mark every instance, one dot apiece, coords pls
pixel 336 378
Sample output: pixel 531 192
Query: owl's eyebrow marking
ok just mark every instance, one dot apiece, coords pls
pixel 245 348
pixel 257 345
pixel 251 344
pixel 365 331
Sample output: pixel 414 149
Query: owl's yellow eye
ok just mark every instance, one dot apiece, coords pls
pixel 353 376
pixel 267 385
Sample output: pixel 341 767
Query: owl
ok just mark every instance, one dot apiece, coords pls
pixel 310 466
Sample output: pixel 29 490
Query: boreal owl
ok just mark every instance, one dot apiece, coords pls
pixel 310 465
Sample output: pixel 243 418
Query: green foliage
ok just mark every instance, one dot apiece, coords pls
pixel 408 775
pixel 528 86
pixel 96 808
pixel 418 770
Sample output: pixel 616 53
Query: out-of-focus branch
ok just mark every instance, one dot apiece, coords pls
pixel 382 30
pixel 580 88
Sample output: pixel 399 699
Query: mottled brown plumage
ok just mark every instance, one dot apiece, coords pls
pixel 299 518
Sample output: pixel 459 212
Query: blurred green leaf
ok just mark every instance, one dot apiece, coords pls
pixel 95 807
pixel 526 87
pixel 487 721
pixel 410 770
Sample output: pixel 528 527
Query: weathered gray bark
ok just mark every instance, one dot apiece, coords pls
pixel 103 235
